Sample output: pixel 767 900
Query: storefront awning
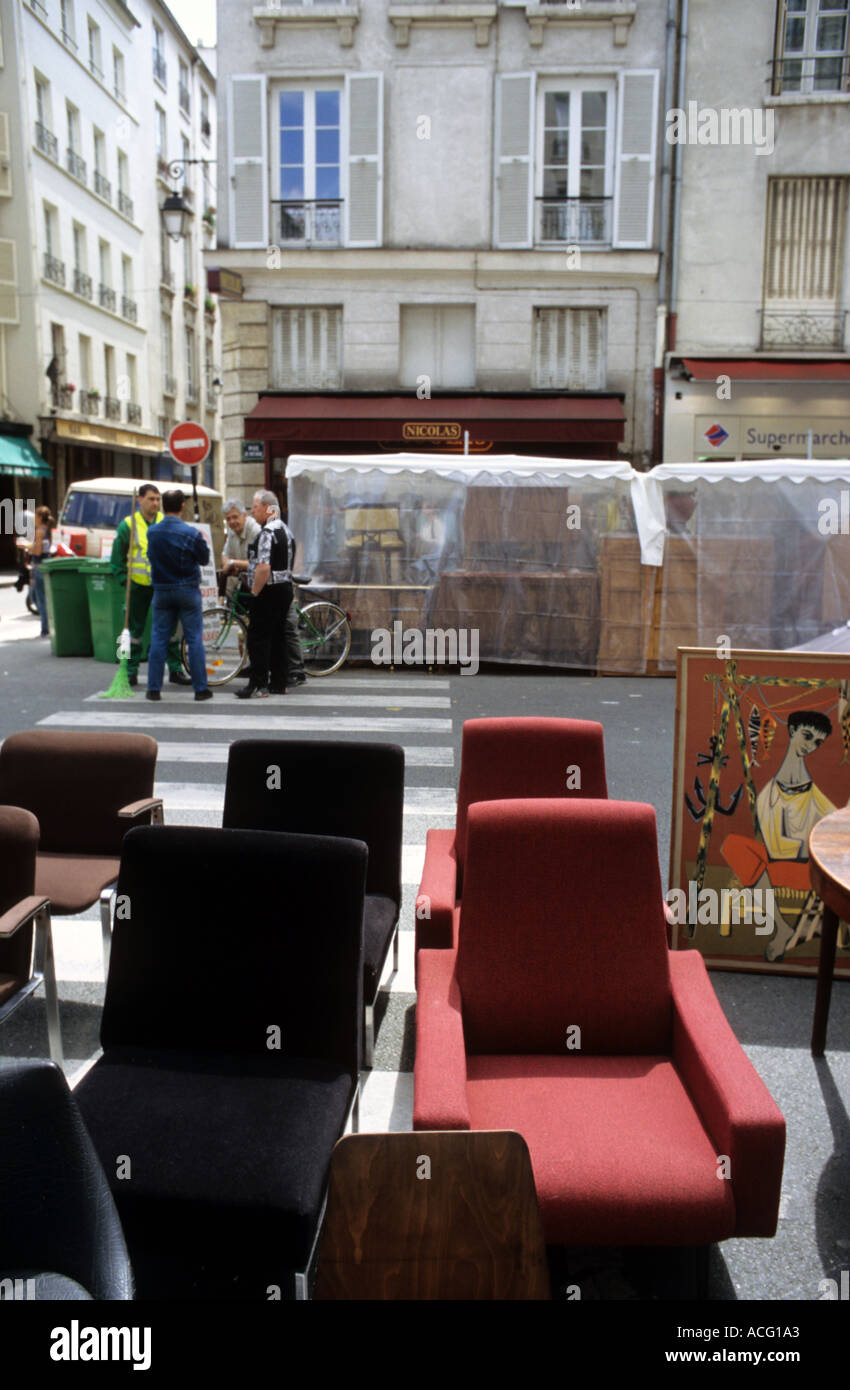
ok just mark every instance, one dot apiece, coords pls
pixel 400 421
pixel 20 459
pixel 754 369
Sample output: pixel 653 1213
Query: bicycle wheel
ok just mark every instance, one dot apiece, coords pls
pixel 325 635
pixel 225 645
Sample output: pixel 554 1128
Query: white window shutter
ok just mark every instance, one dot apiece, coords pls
pixel 569 349
pixel 637 128
pixel 9 307
pixel 5 157
pixel 307 348
pixel 248 149
pixel 513 175
pixel 364 105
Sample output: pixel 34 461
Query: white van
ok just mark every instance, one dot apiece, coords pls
pixel 94 507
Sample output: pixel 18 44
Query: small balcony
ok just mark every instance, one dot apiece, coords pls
pixel 106 298
pixel 805 75
pixel 309 220
pixel 82 284
pixel 90 402
pixel 125 204
pixel 129 309
pixel 46 141
pixel 802 329
pixel 134 413
pixel 63 397
pixel 169 384
pixel 75 165
pixel 183 99
pixel 162 169
pixel 572 220
pixel 192 393
pixel 159 67
pixel 54 270
pixel 112 407
pixel 102 186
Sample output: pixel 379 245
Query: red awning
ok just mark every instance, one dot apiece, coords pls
pixel 403 421
pixel 754 369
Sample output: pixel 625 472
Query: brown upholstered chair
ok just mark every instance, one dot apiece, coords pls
pixel 85 790
pixel 22 913
pixel 433 1215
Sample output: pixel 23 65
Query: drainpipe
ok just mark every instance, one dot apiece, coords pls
pixel 663 266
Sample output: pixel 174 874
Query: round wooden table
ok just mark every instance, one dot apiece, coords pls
pixel 829 855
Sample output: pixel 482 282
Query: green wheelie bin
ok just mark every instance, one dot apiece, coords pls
pixel 67 607
pixel 106 598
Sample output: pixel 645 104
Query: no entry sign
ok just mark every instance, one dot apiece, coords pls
pixel 189 443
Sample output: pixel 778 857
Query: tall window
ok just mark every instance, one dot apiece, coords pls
pixel 42 102
pixel 569 349
pixel 183 87
pixel 127 276
pixel 167 344
pixel 806 220
pixel 575 140
pixel 159 128
pixel 66 20
pixel 79 247
pixel 132 377
pixel 206 128
pixel 118 74
pixel 307 348
pixel 109 370
pixel 191 380
pixel 95 58
pixel 51 240
pixel 104 256
pixel 309 165
pixel 438 341
pixel 84 347
pixel 812 47
pixel 159 70
pixel 73 128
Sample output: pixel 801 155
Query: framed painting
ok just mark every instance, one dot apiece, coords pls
pixel 761 754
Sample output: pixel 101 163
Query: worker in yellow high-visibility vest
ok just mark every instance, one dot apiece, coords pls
pixel 141 585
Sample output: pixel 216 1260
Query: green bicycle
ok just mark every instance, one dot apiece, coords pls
pixel 324 630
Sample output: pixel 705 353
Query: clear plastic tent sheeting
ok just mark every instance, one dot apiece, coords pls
pixel 573 563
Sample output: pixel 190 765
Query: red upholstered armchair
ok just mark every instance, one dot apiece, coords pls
pixel 502 759
pixel 562 1014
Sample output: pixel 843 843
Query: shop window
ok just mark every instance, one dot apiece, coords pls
pixel 569 349
pixel 307 348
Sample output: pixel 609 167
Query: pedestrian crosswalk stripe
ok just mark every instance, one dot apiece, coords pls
pixel 414 755
pixel 235 722
pixel 204 796
pixel 313 701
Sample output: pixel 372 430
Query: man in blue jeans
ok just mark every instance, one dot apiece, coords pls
pixel 176 551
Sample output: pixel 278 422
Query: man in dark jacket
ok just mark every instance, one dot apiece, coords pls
pixel 176 552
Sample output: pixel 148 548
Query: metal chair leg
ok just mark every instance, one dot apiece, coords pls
pixel 46 966
pixel 395 951
pixel 106 924
pixel 300 1288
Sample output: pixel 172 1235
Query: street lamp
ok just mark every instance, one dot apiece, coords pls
pixel 175 212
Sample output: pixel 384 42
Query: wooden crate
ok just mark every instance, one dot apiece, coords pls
pixel 627 590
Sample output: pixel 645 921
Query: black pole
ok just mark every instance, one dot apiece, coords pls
pixel 195 493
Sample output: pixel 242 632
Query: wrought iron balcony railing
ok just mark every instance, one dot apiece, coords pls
pixel 102 186
pixel 54 270
pixel 112 407
pixel 573 220
pixel 827 74
pixel 129 308
pixel 46 141
pixel 134 413
pixel 106 297
pixel 82 284
pixel 159 68
pixel 311 220
pixel 75 165
pixel 192 393
pixel 125 204
pixel 90 402
pixel 63 396
pixel 802 329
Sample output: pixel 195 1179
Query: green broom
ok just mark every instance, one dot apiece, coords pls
pixel 120 687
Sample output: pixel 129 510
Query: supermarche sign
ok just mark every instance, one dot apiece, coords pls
pixel 762 435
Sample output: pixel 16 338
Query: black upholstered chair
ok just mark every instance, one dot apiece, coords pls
pixel 327 787
pixel 60 1237
pixel 231 1053
pixel 22 913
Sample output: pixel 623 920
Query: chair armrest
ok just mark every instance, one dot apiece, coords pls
pixel 439 1072
pixel 435 901
pixel 138 808
pixel 736 1107
pixel 22 913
